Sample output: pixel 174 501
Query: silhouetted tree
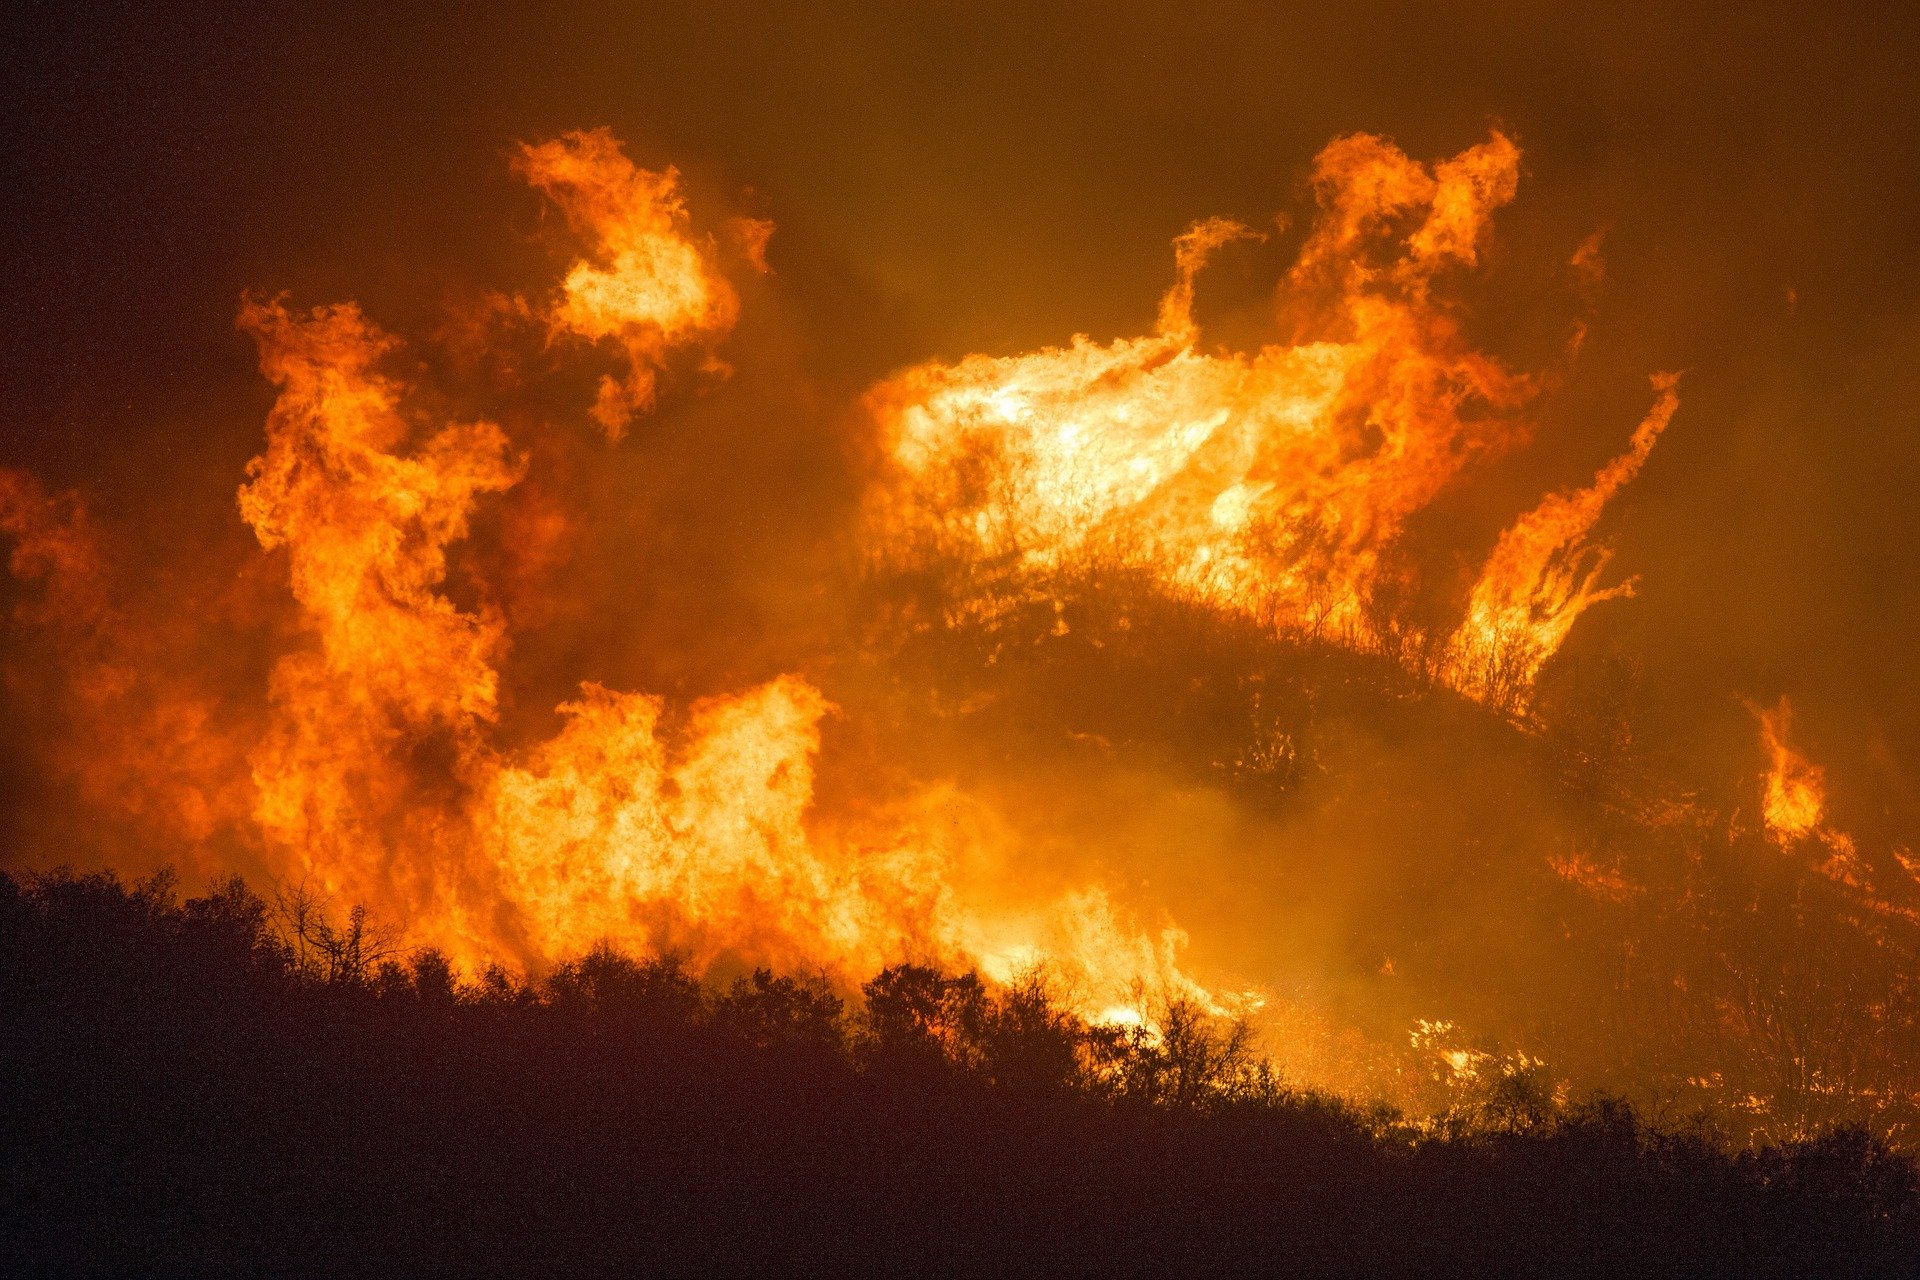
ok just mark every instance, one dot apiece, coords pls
pixel 1185 1056
pixel 347 952
pixel 1030 1043
pixel 187 1092
pixel 918 1017
pixel 766 1012
pixel 609 984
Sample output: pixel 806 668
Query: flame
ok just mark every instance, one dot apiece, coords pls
pixel 1544 574
pixel 1605 883
pixel 392 662
pixel 1795 801
pixel 1111 971
pixel 378 778
pixel 651 286
pixel 1794 811
pixel 1275 484
pixel 706 847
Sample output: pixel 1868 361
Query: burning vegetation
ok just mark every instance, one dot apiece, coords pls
pixel 1279 484
pixel 375 775
pixel 1111 625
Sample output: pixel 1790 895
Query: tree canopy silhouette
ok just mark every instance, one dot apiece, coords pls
pixel 224 1083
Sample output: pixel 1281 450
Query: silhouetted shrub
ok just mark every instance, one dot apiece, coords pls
pixel 201 1087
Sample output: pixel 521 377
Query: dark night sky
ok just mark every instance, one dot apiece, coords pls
pixel 980 177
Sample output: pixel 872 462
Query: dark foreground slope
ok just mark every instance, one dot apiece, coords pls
pixel 191 1087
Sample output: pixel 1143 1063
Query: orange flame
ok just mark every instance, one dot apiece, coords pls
pixel 378 780
pixel 1544 574
pixel 1794 811
pixel 653 286
pixel 365 530
pixel 1796 790
pixel 1273 484
pixel 605 828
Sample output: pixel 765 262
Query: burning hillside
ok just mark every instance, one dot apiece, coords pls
pixel 1152 667
pixel 1279 484
pixel 376 777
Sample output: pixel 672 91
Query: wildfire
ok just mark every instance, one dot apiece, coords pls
pixel 1795 795
pixel 1794 810
pixel 378 779
pixel 1275 484
pixel 1544 574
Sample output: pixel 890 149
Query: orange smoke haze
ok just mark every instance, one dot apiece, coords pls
pixel 134 735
